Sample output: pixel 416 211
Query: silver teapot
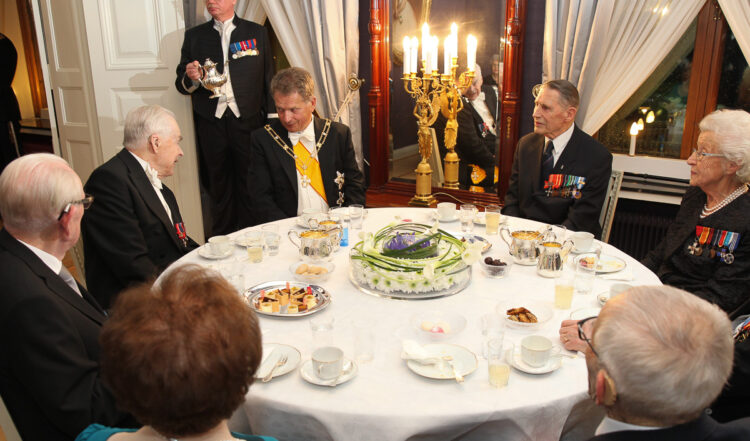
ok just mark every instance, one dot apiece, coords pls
pixel 212 79
pixel 523 244
pixel 552 257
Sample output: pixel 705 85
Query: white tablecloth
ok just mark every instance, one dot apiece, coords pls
pixel 386 401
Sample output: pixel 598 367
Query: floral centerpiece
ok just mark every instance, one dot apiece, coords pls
pixel 412 258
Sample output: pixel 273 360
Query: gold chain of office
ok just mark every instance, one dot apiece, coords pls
pixel 289 151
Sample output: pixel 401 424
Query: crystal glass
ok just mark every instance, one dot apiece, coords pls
pixel 467 213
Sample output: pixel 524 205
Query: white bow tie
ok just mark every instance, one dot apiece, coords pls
pixel 153 176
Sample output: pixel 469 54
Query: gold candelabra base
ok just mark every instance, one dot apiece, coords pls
pixel 423 196
pixel 450 168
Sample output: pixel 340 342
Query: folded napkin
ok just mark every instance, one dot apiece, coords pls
pixel 411 350
pixel 267 362
pixel 625 275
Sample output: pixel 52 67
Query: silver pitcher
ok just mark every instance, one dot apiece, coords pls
pixel 552 257
pixel 523 244
pixel 316 244
pixel 212 79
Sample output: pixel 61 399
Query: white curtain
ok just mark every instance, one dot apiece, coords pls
pixel 629 39
pixel 737 14
pixel 322 36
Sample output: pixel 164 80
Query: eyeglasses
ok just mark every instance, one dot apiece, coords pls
pixel 582 334
pixel 700 154
pixel 86 202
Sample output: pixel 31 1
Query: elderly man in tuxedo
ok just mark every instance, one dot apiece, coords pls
pixel 560 174
pixel 135 230
pixel 224 124
pixel 49 324
pixel 657 357
pixel 301 161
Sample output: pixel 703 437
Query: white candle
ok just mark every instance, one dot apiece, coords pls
pixel 471 52
pixel 633 135
pixel 454 40
pixel 447 56
pixel 427 51
pixel 435 44
pixel 407 55
pixel 414 49
pixel 425 40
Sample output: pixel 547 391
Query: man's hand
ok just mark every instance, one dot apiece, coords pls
pixel 194 71
pixel 569 336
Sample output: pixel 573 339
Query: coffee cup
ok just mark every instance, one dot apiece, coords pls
pixel 446 210
pixel 618 288
pixel 536 350
pixel 328 362
pixel 583 240
pixel 219 245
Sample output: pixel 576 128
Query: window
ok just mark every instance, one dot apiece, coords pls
pixel 706 70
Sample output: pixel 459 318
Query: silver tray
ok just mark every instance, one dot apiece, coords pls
pixel 454 289
pixel 323 297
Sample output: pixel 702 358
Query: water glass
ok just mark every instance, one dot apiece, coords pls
pixel 322 331
pixel 364 340
pixel 499 370
pixel 271 240
pixel 237 279
pixel 356 213
pixel 254 245
pixel 492 219
pixel 493 327
pixel 467 213
pixel 585 273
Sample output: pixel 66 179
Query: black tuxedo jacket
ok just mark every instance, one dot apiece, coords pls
pixel 701 429
pixel 583 156
pixel 273 176
pixel 250 75
pixel 49 361
pixel 475 144
pixel 127 235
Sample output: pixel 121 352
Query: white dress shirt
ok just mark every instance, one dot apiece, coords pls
pixel 560 142
pixel 52 262
pixel 480 105
pixel 227 100
pixel 306 196
pixel 155 183
pixel 610 425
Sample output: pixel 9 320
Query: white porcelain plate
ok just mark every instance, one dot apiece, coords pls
pixel 607 263
pixel 542 311
pixel 275 351
pixel 464 361
pixel 515 360
pixel 436 217
pixel 580 314
pixel 206 254
pixel 349 372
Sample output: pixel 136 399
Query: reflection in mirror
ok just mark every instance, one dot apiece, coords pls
pixel 477 137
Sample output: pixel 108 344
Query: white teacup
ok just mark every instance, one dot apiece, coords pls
pixel 583 240
pixel 328 362
pixel 618 288
pixel 219 245
pixel 446 210
pixel 536 350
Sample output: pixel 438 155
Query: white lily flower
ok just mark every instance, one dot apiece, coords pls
pixel 369 244
pixel 472 253
pixel 429 270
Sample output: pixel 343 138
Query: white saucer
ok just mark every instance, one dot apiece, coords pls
pixel 514 358
pixel 276 351
pixel 349 372
pixel 479 219
pixel 440 219
pixel 204 253
pixel 579 251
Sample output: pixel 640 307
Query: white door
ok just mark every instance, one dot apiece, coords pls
pixel 134 48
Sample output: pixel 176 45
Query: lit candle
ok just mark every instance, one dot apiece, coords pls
pixel 633 134
pixel 447 56
pixel 414 48
pixel 471 52
pixel 640 123
pixel 407 55
pixel 454 40
pixel 425 40
pixel 650 117
pixel 435 45
pixel 427 51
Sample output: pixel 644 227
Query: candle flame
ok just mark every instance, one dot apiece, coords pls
pixel 634 129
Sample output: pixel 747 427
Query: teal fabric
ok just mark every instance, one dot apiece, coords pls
pixel 97 432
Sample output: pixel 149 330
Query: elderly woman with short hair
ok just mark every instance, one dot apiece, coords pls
pixel 180 356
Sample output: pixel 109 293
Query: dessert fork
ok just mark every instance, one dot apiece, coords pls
pixel 279 363
pixel 459 377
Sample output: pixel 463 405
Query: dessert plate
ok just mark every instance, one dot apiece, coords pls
pixel 580 314
pixel 322 298
pixel 542 311
pixel 206 254
pixel 349 372
pixel 607 263
pixel 464 361
pixel 275 351
pixel 514 358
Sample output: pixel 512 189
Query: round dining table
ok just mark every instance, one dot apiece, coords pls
pixel 385 400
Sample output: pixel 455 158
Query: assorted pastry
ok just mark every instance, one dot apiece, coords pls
pixel 310 270
pixel 522 315
pixel 440 327
pixel 289 300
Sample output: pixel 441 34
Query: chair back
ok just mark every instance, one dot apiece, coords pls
pixel 8 430
pixel 610 203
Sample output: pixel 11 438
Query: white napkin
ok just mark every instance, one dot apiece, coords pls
pixel 625 275
pixel 268 362
pixel 411 350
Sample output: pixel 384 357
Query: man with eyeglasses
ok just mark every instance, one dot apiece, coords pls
pixel 657 357
pixel 135 229
pixel 49 324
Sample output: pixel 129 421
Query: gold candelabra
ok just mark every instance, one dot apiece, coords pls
pixel 450 104
pixel 427 91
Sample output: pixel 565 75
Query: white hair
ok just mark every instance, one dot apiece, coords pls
pixel 732 131
pixel 34 189
pixel 669 352
pixel 144 121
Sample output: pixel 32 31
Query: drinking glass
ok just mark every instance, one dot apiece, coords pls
pixel 271 238
pixel 467 213
pixel 492 219
pixel 254 245
pixel 364 340
pixel 322 331
pixel 499 370
pixel 493 327
pixel 356 213
pixel 564 287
